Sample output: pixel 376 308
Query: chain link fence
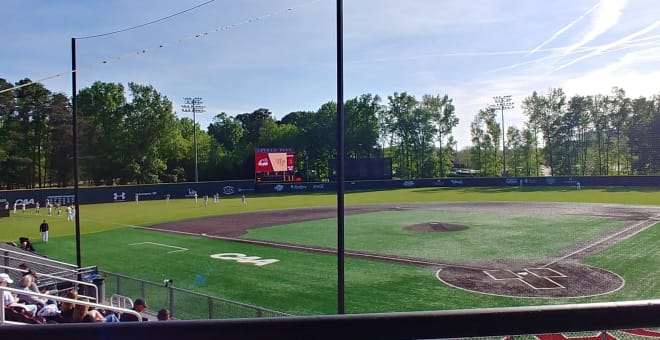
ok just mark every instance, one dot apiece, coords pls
pixel 183 304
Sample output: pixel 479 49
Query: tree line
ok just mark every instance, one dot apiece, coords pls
pixel 132 135
pixel 582 135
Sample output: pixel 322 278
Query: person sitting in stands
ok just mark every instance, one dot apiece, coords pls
pixel 163 314
pixel 81 312
pixel 139 305
pixel 11 300
pixel 26 244
pixel 66 308
pixel 26 285
pixel 29 272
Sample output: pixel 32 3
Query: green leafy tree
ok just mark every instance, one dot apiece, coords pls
pixel 444 116
pixel 361 125
pixel 151 126
pixel 59 149
pixel 103 132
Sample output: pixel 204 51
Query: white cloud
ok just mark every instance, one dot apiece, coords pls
pixel 624 73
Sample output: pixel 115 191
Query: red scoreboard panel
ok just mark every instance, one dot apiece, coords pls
pixel 274 164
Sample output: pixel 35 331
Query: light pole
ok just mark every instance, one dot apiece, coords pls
pixel 503 103
pixel 193 105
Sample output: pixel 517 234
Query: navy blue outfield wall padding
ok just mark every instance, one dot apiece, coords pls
pixel 89 195
pixel 124 193
pixel 564 181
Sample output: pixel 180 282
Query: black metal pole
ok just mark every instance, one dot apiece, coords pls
pixel 340 159
pixel 74 123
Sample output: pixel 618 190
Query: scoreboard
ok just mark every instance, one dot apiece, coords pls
pixel 274 164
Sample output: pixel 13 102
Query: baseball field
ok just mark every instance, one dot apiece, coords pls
pixel 406 250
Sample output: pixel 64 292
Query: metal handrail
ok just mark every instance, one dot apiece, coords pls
pixel 93 286
pixel 38 259
pixel 72 301
pixel 62 271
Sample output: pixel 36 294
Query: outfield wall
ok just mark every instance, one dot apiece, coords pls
pixel 123 193
pixel 89 195
pixel 567 181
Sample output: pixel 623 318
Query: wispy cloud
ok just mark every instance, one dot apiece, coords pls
pixel 623 42
pixel 564 29
pixel 606 16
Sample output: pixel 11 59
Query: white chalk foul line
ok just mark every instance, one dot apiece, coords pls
pixel 649 223
pixel 178 249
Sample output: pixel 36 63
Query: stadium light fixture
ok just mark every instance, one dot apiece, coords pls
pixel 503 103
pixel 194 105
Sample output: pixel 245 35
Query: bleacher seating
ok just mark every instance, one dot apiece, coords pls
pixel 56 278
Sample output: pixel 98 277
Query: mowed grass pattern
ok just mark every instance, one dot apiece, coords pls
pixel 489 236
pixel 304 283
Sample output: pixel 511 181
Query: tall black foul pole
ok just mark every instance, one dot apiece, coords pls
pixel 340 159
pixel 74 110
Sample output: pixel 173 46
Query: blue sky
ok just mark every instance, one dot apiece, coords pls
pixel 281 54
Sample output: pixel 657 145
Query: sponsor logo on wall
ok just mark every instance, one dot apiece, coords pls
pixel 191 192
pixel 26 201
pixel 119 196
pixel 61 199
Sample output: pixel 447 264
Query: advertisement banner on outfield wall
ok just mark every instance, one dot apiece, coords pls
pixel 288 187
pixel 122 193
pixel 63 197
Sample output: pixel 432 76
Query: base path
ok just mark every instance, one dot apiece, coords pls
pixel 558 276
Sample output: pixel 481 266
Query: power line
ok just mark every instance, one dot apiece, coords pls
pixel 171 43
pixel 145 24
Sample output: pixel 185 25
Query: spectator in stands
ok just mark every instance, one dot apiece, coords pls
pixel 108 316
pixel 139 305
pixel 163 314
pixel 66 308
pixel 84 313
pixel 11 300
pixel 81 312
pixel 26 285
pixel 26 244
pixel 27 271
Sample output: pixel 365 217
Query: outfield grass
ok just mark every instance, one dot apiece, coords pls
pixel 305 283
pixel 100 217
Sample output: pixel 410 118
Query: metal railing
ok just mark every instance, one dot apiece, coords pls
pixel 61 299
pixel 57 279
pixel 183 304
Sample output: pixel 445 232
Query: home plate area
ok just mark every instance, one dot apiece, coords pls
pixel 510 278
pixel 536 278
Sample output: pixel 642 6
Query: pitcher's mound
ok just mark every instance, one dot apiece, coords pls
pixel 435 226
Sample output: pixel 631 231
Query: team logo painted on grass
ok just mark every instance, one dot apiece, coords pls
pixel 242 258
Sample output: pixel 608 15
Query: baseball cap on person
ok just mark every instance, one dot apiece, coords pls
pixel 5 278
pixel 139 302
